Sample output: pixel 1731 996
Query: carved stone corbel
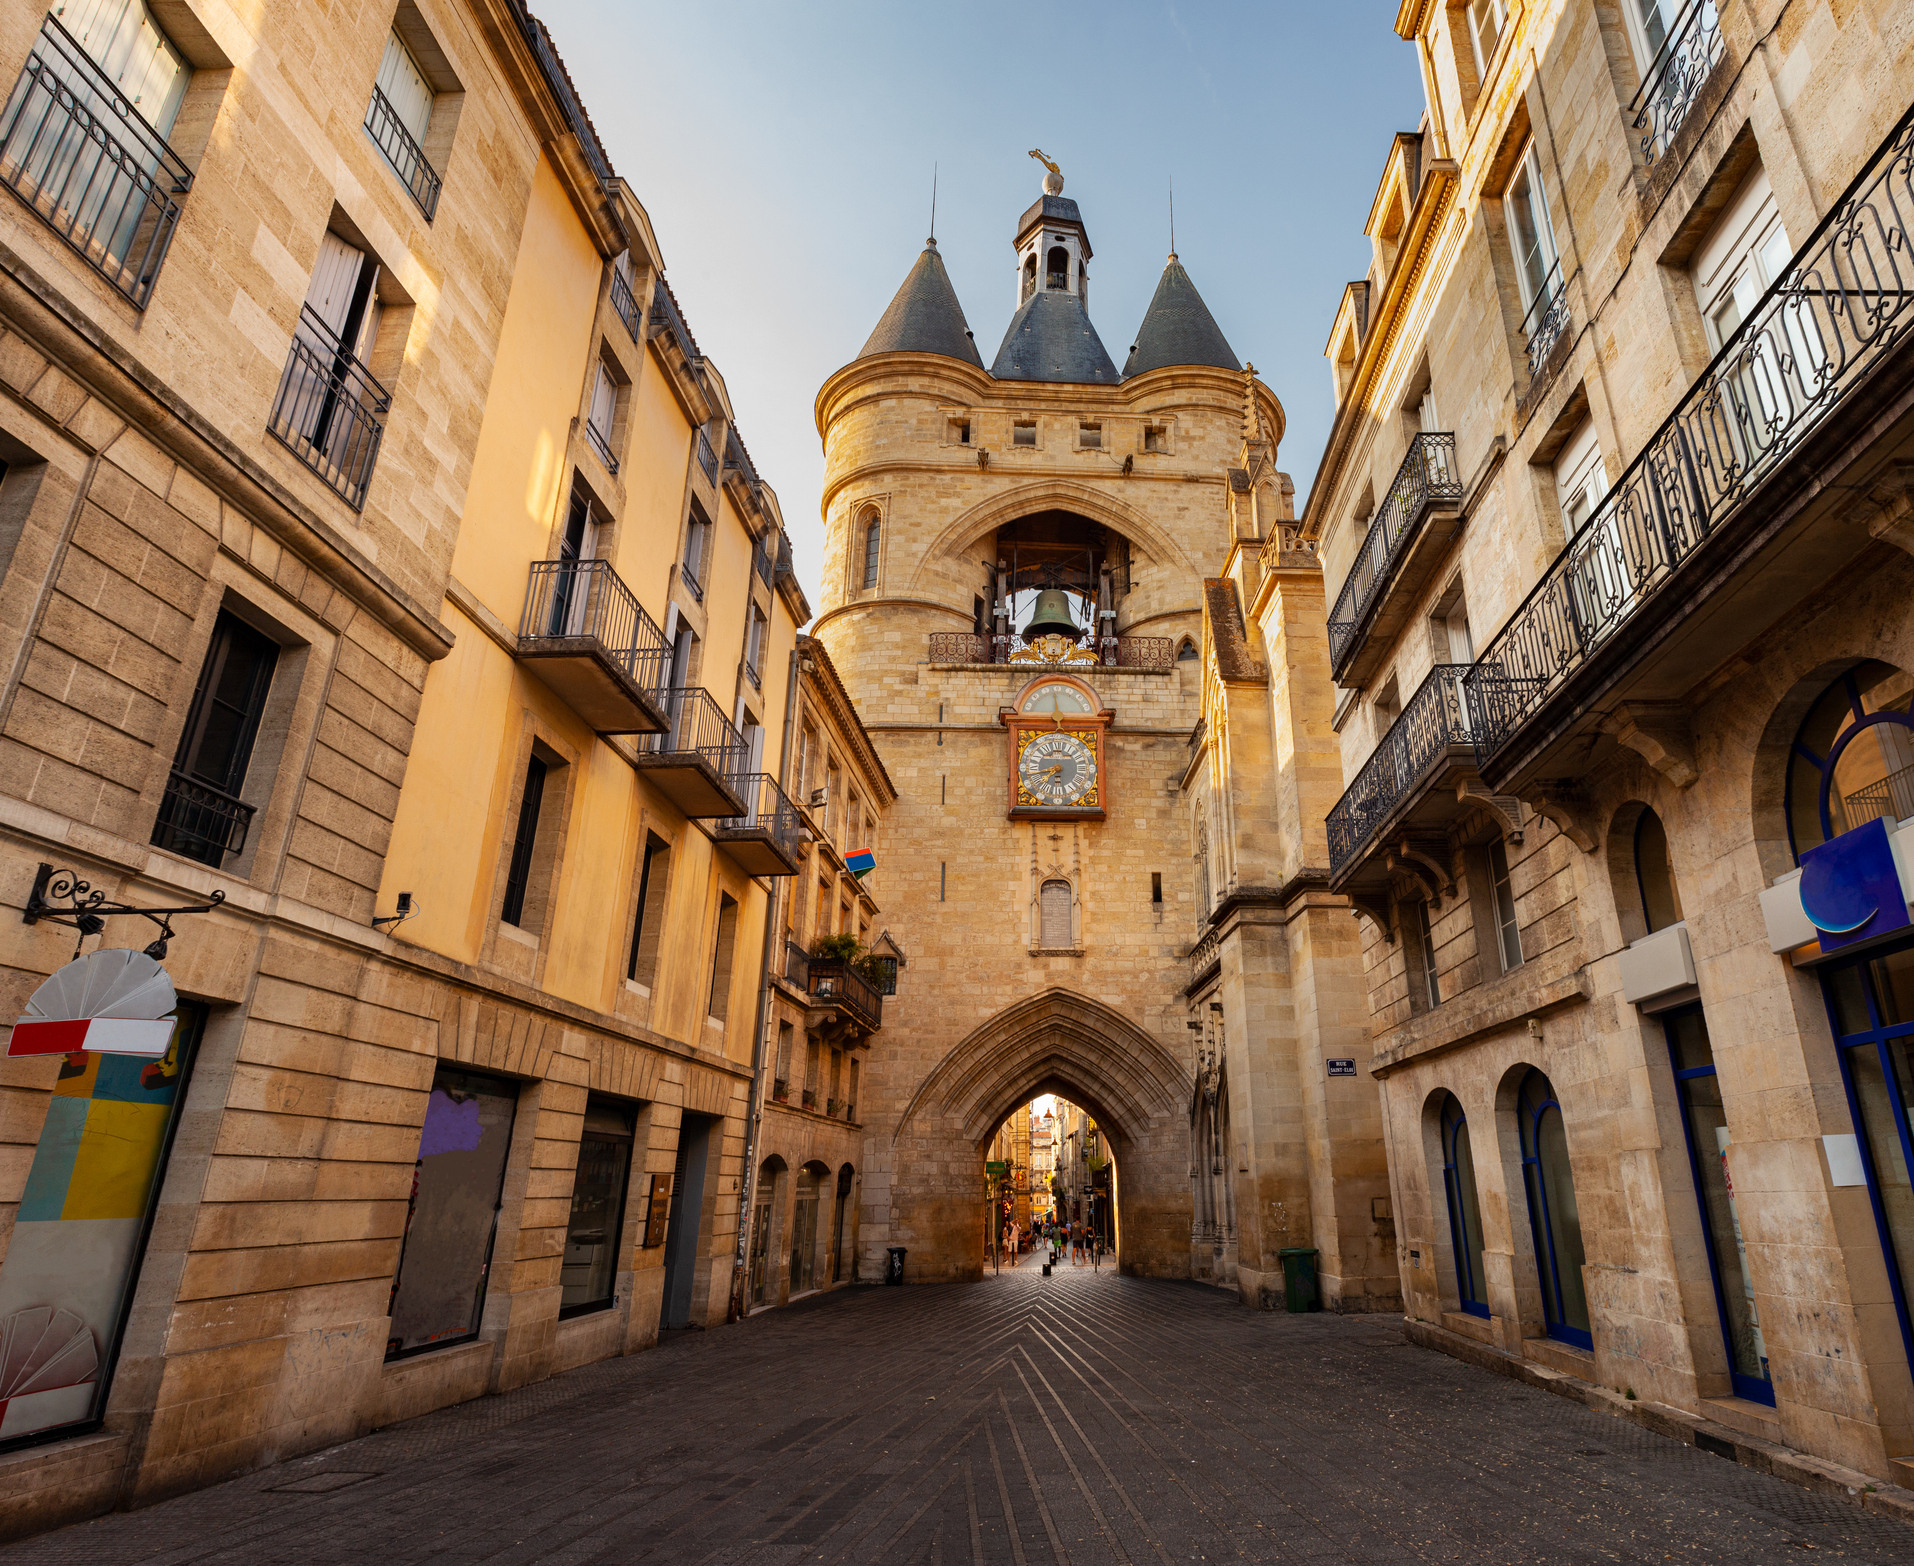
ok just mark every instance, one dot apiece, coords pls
pixel 1886 506
pixel 1568 810
pixel 1406 856
pixel 1504 809
pixel 1380 912
pixel 1661 733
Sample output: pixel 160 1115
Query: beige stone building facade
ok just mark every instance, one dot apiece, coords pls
pixel 1022 566
pixel 1613 528
pixel 385 577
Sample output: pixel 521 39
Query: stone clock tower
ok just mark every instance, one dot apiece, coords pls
pixel 1014 597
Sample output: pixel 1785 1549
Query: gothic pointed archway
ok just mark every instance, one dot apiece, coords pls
pixel 1053 1042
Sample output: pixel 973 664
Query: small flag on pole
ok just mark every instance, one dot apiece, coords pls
pixel 861 861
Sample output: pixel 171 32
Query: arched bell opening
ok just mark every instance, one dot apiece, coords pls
pixel 1056 582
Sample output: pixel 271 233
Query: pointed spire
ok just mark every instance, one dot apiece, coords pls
pixel 925 316
pixel 1178 328
pixel 1253 432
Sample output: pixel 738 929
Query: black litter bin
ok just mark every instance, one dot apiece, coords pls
pixel 894 1269
pixel 1299 1278
pixel 1046 1269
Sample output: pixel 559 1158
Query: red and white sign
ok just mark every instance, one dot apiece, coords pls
pixel 113 1002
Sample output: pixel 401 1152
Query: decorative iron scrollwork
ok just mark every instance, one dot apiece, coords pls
pixel 87 908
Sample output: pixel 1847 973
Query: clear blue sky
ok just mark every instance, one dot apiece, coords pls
pixel 784 153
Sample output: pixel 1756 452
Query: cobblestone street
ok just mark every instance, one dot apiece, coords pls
pixel 1033 1421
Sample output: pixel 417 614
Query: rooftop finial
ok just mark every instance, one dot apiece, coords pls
pixel 932 241
pixel 1053 181
pixel 1172 217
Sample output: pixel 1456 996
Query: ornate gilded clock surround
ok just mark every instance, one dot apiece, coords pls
pixel 1026 728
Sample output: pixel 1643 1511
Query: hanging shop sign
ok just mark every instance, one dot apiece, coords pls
pixel 1850 891
pixel 112 1002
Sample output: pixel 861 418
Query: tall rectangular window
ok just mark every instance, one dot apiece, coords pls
pixel 697 533
pixel 202 815
pixel 397 119
pixel 330 410
pixel 524 841
pixel 1486 18
pixel 781 1072
pixel 810 1070
pixel 594 1234
pixel 719 1006
pixel 458 1182
pixel 1424 984
pixel 754 644
pixel 1508 935
pixel 850 1101
pixel 602 415
pixel 647 927
pixel 1531 234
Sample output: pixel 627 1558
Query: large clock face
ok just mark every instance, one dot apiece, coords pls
pixel 1058 770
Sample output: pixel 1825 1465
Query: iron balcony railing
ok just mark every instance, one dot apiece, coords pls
pixel 767 809
pixel 626 306
pixel 1427 477
pixel 76 151
pixel 407 157
pixel 698 728
pixel 765 558
pixel 1546 321
pixel 585 600
pixel 600 442
pixel 707 458
pixel 1676 76
pixel 1119 652
pixel 1842 303
pixel 797 965
pixel 330 412
pixel 200 821
pixel 1436 718
pixel 665 313
pixel 1892 797
pixel 838 982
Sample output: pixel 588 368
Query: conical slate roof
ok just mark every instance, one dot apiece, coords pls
pixel 925 316
pixel 1178 329
pixel 1051 339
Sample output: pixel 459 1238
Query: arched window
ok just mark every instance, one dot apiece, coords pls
pixel 1029 278
pixel 1465 1211
pixel 1053 909
pixel 1661 897
pixel 1853 756
pixel 1057 266
pixel 1187 652
pixel 873 537
pixel 1553 1216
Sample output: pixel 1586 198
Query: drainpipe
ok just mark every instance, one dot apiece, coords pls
pixel 748 1185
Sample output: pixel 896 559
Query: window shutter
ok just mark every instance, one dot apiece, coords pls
pixel 604 401
pixel 1054 905
pixel 405 88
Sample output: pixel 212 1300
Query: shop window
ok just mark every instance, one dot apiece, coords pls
pixel 647 929
pixel 1465 1208
pixel 77 1235
pixel 1706 1124
pixel 1654 876
pixel 594 1234
pixel 1554 1220
pixel 1853 757
pixel 438 1293
pixel 202 815
pixel 1871 1005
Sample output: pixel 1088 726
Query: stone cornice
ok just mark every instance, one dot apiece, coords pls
pixel 836 700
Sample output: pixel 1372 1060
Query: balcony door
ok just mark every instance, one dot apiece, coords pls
pixel 323 397
pixel 579 542
pixel 202 815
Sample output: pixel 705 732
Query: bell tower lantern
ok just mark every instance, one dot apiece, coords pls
pixel 1053 248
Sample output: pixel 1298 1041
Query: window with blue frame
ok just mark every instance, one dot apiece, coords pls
pixel 1706 1125
pixel 1853 757
pixel 1465 1212
pixel 1871 1004
pixel 1556 1223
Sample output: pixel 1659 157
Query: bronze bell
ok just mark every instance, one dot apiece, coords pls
pixel 1052 616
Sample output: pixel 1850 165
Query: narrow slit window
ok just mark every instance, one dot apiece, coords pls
pixel 1508 933
pixel 648 926
pixel 518 877
pixel 873 543
pixel 718 1007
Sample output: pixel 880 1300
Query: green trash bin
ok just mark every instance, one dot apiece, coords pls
pixel 1299 1279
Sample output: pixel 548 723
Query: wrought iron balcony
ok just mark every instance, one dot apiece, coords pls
pixel 1676 76
pixel 76 151
pixel 1546 321
pixel 707 458
pixel 1411 527
pixel 797 965
pixel 626 306
pixel 1842 305
pixel 330 412
pixel 1432 729
pixel 854 998
pixel 588 638
pixel 201 822
pixel 1115 652
pixel 698 761
pixel 406 156
pixel 767 838
pixel 600 442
